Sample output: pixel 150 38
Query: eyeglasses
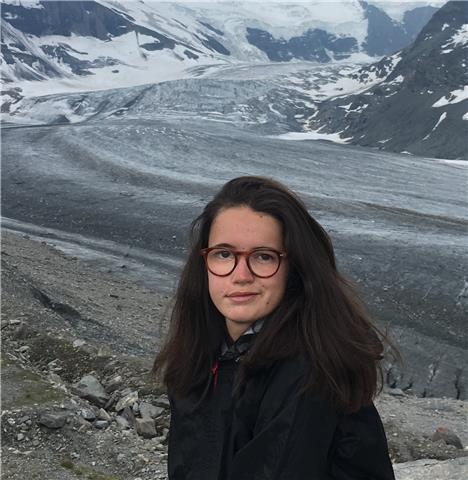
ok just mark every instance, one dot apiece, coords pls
pixel 262 262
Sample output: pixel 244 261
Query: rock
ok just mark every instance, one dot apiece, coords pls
pixel 127 401
pixel 145 427
pixel 55 379
pixel 432 470
pixel 150 411
pixel 129 416
pixel 52 365
pixel 448 436
pixel 126 391
pixel 53 420
pixel 103 415
pixel 20 437
pixel 397 392
pixel 122 422
pixel 82 424
pixel 88 414
pixel 91 389
pixel 104 351
pixel 78 343
pixel 114 384
pixel 101 424
pixel 112 400
pixel 163 401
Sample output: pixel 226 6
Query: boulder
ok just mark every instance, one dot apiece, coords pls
pixel 91 389
pixel 53 420
pixel 432 470
pixel 145 427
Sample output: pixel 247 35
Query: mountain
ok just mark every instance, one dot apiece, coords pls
pixel 131 43
pixel 293 69
pixel 421 104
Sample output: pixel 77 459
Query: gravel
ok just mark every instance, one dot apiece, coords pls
pixel 63 321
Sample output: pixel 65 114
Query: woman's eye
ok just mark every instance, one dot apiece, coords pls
pixel 223 254
pixel 264 257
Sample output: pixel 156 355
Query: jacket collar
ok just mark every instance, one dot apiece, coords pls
pixel 242 344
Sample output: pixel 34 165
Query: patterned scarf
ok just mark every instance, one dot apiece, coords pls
pixel 241 345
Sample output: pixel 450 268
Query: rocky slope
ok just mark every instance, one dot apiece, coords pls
pixel 421 106
pixel 77 398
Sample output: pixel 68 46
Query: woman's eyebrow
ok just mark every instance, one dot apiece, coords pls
pixel 228 245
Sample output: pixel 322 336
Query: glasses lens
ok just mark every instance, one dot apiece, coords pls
pixel 264 263
pixel 220 261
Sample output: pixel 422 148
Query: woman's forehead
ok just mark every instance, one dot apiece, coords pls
pixel 243 227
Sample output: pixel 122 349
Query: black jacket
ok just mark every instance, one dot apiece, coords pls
pixel 269 432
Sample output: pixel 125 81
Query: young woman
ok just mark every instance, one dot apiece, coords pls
pixel 271 363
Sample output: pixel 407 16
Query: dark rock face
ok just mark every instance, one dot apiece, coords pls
pixel 64 18
pixel 213 29
pixel 19 52
pixel 386 36
pixel 426 63
pixel 89 19
pixel 415 20
pixel 213 44
pixel 313 45
pixel 413 108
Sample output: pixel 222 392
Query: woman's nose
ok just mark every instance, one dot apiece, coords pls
pixel 242 271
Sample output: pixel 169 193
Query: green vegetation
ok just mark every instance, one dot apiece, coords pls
pixel 23 387
pixel 85 472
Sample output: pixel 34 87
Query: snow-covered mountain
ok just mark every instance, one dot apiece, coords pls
pixel 88 45
pixel 421 106
pixel 248 65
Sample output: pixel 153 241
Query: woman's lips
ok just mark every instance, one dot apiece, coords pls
pixel 241 297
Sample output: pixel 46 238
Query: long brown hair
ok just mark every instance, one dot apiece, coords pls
pixel 320 318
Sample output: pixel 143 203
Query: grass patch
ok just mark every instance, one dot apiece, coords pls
pixel 23 387
pixel 85 472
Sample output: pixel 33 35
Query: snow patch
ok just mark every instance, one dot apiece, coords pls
pixel 455 96
pixel 460 37
pixel 399 79
pixel 300 136
pixel 460 163
pixel 24 3
pixel 441 119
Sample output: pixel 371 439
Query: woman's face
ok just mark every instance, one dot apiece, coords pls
pixel 240 296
